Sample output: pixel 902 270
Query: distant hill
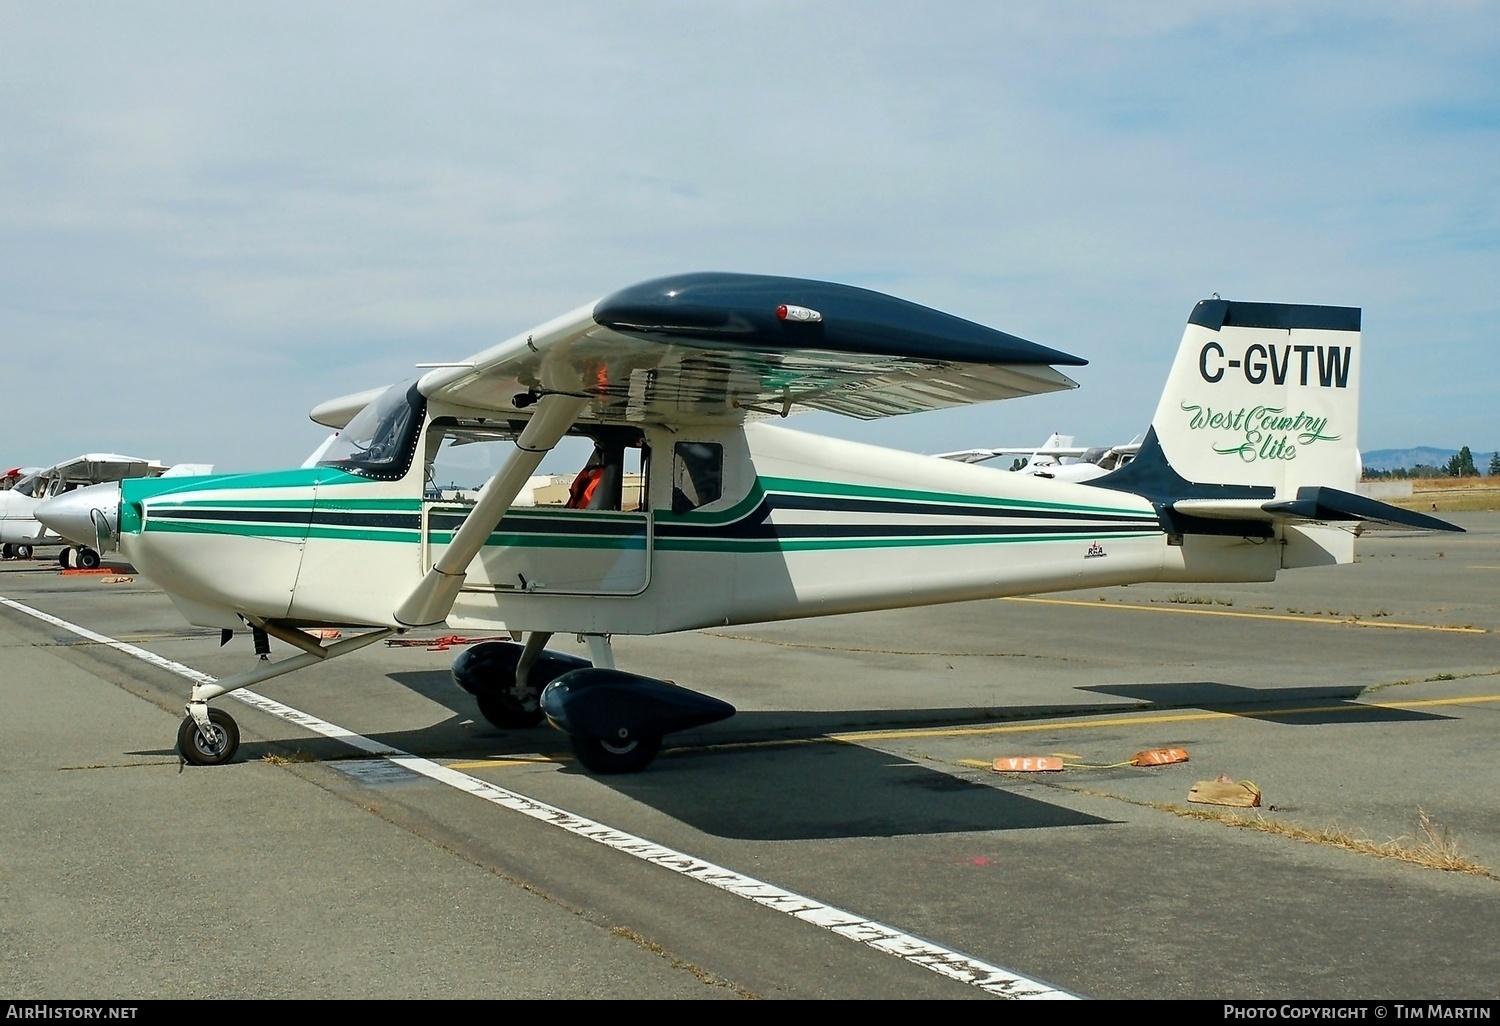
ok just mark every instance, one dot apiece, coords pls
pixel 1392 459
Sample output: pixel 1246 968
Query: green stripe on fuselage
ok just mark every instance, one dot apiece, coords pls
pixel 841 490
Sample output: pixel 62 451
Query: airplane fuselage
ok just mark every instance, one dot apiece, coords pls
pixel 18 522
pixel 803 525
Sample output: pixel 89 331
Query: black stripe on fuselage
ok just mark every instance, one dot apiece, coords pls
pixel 844 505
pixel 332 518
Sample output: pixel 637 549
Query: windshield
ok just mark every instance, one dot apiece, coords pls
pixel 380 440
pixel 33 486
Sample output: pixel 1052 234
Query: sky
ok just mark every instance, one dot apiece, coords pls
pixel 215 216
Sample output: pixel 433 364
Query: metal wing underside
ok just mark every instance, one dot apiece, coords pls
pixel 101 467
pixel 711 347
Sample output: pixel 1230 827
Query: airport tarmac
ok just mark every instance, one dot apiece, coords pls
pixel 843 836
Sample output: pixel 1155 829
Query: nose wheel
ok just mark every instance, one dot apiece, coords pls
pixel 208 745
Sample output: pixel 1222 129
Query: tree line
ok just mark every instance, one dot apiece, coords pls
pixel 1461 464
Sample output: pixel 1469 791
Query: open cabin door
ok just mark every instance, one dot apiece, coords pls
pixel 585 535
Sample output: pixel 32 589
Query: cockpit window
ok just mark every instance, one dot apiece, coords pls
pixel 382 438
pixel 697 475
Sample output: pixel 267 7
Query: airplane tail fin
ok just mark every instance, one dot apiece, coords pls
pixel 1258 425
pixel 1264 395
pixel 1046 456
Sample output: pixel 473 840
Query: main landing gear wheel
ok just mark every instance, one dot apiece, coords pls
pixel 505 711
pixel 65 558
pixel 23 551
pixel 88 559
pixel 7 551
pixel 209 751
pixel 608 757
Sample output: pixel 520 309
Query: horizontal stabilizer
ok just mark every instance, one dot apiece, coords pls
pixel 1317 504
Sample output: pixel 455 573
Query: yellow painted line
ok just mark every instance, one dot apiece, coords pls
pixel 1424 703
pixel 1253 616
pixel 513 760
pixel 1479 567
pixel 1129 720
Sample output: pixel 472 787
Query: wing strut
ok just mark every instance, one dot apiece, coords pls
pixel 432 599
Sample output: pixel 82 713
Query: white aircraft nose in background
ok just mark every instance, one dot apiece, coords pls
pixel 85 516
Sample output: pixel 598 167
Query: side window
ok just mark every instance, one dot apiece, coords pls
pixel 697 474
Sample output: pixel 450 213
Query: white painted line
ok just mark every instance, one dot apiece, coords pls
pixel 955 965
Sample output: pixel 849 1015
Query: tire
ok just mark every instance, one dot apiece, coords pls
pixel 65 558
pixel 605 757
pixel 7 551
pixel 504 711
pixel 198 750
pixel 23 552
pixel 88 559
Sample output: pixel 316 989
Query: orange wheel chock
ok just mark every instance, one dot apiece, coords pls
pixel 1027 764
pixel 1159 757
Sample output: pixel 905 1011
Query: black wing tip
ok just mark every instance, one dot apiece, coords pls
pixel 740 309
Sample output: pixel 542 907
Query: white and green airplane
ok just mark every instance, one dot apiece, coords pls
pixel 1249 468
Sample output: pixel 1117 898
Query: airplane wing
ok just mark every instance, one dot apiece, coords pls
pixel 335 413
pixel 99 467
pixel 708 347
pixel 980 455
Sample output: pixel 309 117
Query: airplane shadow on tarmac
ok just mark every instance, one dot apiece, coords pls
pixel 1305 706
pixel 765 776
pixel 787 789
pixel 759 775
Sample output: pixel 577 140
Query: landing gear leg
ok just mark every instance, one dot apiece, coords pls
pixel 209 737
pixel 515 707
pixel 601 652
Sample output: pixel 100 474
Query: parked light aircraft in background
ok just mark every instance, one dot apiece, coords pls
pixel 1249 468
pixel 21 533
pixel 1057 458
pixel 15 475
